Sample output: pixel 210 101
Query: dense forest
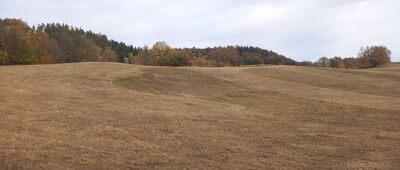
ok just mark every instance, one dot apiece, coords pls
pixel 61 43
pixel 56 43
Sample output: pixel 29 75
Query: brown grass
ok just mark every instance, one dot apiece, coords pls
pixel 117 116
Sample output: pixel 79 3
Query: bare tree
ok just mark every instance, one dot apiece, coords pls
pixel 323 62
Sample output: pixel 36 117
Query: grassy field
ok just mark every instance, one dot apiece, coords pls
pixel 117 116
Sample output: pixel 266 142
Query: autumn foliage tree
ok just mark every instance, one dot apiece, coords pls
pixel 161 54
pixel 20 44
pixel 372 56
pixel 39 49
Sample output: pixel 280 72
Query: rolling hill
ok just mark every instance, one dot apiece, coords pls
pixel 118 116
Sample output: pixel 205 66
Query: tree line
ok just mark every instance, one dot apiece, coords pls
pixel 163 55
pixel 368 57
pixel 61 43
pixel 56 43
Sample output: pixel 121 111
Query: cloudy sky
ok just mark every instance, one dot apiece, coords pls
pixel 301 29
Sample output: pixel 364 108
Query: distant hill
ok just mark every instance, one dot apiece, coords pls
pixel 61 43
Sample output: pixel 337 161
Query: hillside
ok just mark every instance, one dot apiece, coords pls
pixel 120 116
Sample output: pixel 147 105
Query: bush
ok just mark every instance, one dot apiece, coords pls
pixel 177 59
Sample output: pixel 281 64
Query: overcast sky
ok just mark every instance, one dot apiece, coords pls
pixel 300 29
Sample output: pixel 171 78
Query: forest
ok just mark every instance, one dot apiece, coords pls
pixel 60 43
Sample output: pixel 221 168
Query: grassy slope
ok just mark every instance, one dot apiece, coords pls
pixel 106 116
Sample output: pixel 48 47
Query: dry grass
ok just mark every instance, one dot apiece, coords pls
pixel 116 116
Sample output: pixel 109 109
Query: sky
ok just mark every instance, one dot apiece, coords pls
pixel 300 29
